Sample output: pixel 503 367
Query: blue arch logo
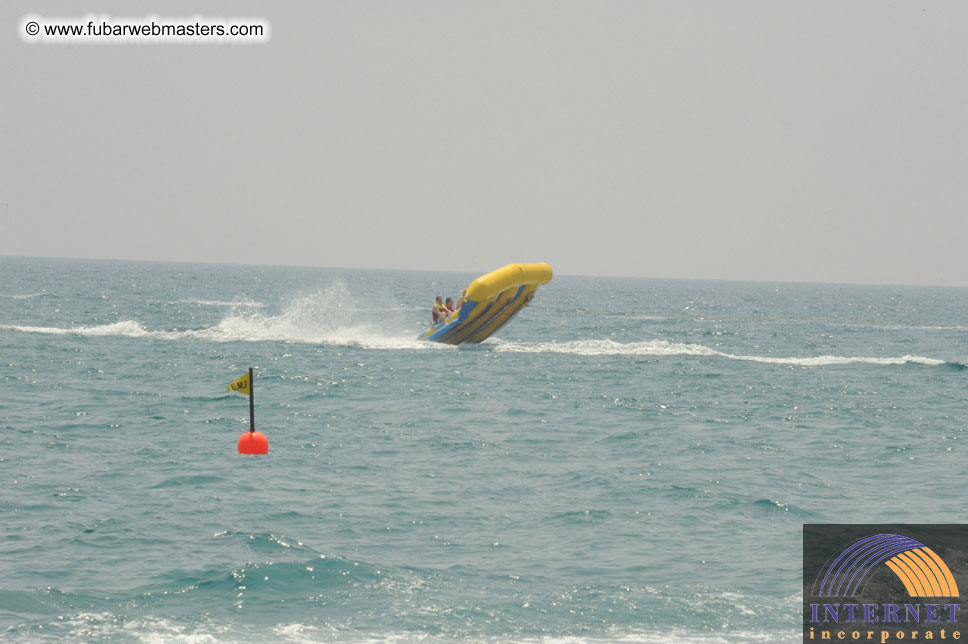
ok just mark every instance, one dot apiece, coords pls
pixel 919 568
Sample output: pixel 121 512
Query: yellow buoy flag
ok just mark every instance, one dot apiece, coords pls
pixel 241 385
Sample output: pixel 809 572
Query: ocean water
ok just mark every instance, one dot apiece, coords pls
pixel 631 460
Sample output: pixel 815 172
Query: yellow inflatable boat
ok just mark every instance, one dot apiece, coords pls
pixel 491 301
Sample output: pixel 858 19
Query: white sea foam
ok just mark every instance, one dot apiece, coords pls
pixel 235 304
pixel 330 317
pixel 283 329
pixel 665 348
pixel 151 630
pixel 235 329
pixel 298 325
pixel 128 328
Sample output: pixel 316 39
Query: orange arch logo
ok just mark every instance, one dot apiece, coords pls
pixel 922 572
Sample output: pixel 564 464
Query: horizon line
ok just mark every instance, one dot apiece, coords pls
pixel 459 271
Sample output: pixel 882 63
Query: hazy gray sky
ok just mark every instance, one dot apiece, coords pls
pixel 808 141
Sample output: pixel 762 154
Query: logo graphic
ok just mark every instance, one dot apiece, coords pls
pixel 922 572
pixel 884 583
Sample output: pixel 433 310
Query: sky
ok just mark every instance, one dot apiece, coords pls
pixel 780 141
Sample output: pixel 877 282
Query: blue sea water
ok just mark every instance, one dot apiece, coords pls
pixel 631 460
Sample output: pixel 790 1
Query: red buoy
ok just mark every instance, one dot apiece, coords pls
pixel 253 443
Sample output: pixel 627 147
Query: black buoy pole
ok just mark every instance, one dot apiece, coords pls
pixel 251 401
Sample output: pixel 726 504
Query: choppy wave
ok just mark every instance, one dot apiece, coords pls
pixel 109 627
pixel 666 348
pixel 360 602
pixel 307 596
pixel 327 317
